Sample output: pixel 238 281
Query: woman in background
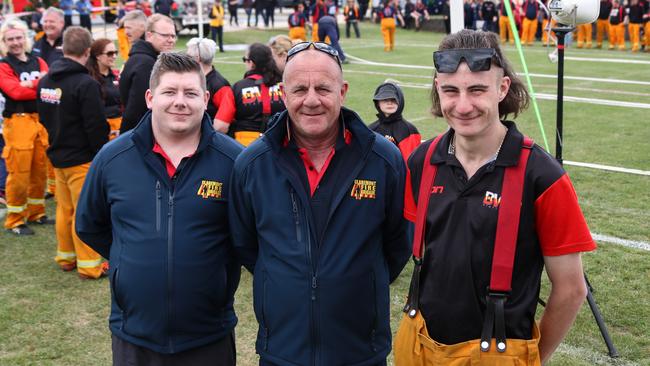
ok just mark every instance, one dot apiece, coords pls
pixel 257 95
pixel 100 66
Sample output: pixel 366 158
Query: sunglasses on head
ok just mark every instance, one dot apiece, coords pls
pixel 318 46
pixel 477 59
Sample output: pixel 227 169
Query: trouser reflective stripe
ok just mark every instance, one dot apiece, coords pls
pixel 68 187
pixel 89 263
pixel 24 154
pixel 66 255
pixel 16 209
pixel 35 201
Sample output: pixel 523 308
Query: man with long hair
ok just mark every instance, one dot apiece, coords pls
pixel 491 211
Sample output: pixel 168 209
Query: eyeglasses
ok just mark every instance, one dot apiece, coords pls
pixel 110 53
pixel 477 59
pixel 166 35
pixel 245 59
pixel 318 46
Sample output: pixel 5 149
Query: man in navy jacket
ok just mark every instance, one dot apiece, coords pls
pixel 315 215
pixel 155 203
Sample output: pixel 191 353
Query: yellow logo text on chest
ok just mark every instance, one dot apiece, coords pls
pixel 364 189
pixel 210 189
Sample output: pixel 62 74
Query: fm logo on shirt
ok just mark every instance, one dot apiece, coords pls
pixel 51 96
pixel 491 200
pixel 253 94
pixel 210 189
pixel 364 189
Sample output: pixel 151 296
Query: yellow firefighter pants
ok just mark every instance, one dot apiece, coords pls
pixel 647 36
pixel 635 36
pixel 51 179
pixel 388 31
pixel 414 347
pixel 114 127
pixel 584 35
pixel 24 154
pixel 545 24
pixel 314 32
pixel 504 30
pixel 70 248
pixel 529 27
pixel 602 28
pixel 246 137
pixel 123 43
pixel 298 33
pixel 617 36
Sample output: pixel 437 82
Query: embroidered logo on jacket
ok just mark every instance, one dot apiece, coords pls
pixel 364 189
pixel 437 189
pixel 51 96
pixel 210 189
pixel 491 200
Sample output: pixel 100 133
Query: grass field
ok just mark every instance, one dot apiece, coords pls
pixel 48 317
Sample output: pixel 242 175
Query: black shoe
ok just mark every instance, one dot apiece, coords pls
pixel 43 220
pixel 21 229
pixel 48 195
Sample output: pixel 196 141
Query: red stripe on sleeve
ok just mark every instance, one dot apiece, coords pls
pixel 224 99
pixel 410 209
pixel 561 226
pixel 409 144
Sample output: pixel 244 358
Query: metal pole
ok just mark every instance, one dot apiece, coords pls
pixel 200 17
pixel 561 32
pixel 456 15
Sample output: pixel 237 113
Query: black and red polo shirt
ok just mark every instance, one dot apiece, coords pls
pixel 255 102
pixel 461 228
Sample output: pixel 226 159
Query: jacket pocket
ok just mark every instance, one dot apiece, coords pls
pixel 259 304
pixel 116 298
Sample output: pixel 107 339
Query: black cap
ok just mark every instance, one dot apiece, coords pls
pixel 386 91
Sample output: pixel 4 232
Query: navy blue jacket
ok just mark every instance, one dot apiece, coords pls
pixel 173 275
pixel 321 301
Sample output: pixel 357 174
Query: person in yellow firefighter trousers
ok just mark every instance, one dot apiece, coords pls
pixel 26 139
pixel 71 107
pixel 491 210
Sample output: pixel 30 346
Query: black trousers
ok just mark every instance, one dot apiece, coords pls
pixel 217 36
pixel 220 353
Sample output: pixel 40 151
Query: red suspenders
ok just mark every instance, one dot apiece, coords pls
pixel 504 246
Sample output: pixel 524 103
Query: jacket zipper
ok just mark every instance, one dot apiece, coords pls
pixel 158 205
pixel 312 273
pixel 170 263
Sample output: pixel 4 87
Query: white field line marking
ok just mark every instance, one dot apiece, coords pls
pixel 608 60
pixel 594 90
pixel 594 358
pixel 613 103
pixel 544 96
pixel 624 242
pixel 549 76
pixel 608 167
pixel 3 213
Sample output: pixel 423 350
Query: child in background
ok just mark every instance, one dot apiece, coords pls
pixel 389 102
pixel 297 22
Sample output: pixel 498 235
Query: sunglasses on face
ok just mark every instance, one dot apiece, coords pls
pixel 477 59
pixel 110 53
pixel 245 59
pixel 318 46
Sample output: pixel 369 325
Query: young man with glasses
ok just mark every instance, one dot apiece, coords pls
pixel 315 214
pixel 160 36
pixel 492 210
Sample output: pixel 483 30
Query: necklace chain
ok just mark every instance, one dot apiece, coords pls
pixel 452 146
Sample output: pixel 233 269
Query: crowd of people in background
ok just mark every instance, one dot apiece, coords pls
pixel 240 109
